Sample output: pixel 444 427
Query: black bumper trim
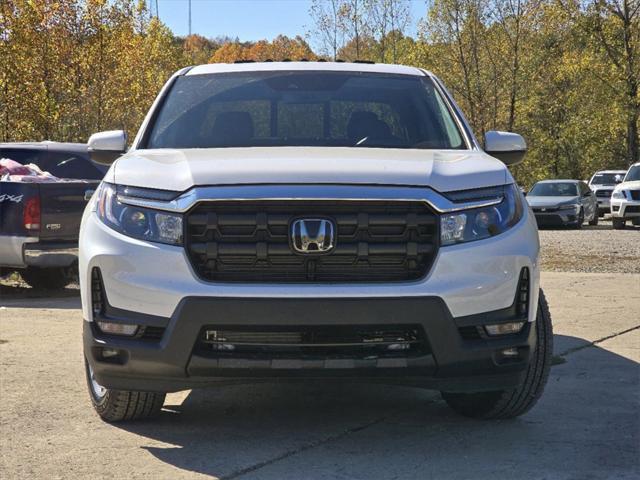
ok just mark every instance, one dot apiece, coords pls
pixel 171 365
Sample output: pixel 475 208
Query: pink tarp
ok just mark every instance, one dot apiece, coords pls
pixel 12 171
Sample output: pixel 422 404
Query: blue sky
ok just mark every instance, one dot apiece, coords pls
pixel 248 19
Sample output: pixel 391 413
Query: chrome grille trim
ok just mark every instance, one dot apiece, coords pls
pixel 287 192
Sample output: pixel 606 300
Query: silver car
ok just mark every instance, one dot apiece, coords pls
pixel 563 203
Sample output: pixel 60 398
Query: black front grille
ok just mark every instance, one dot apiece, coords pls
pixel 250 241
pixel 545 209
pixel 317 341
pixel 635 194
pixel 632 209
pixel 604 193
pixel 153 334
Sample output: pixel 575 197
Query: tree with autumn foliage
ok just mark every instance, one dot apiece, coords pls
pixel 280 48
pixel 71 68
pixel 564 73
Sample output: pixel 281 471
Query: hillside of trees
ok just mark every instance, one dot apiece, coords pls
pixel 563 73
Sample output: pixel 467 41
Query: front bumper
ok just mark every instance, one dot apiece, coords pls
pixel 154 284
pixel 624 208
pixel 556 218
pixel 604 205
pixel 451 359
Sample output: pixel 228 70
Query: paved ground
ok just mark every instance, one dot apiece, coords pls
pixel 587 425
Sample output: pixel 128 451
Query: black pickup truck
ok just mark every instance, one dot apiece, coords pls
pixel 39 222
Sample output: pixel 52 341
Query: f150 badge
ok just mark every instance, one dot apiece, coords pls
pixel 53 226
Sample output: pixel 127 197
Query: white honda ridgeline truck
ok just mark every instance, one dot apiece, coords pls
pixel 311 221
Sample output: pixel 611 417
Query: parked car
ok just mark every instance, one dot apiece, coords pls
pixel 625 200
pixel 563 203
pixel 602 184
pixel 40 217
pixel 304 220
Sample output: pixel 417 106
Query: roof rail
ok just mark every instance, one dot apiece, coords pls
pixel 370 62
pixel 244 61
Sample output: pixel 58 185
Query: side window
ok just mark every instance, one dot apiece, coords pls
pixel 72 165
pixel 25 156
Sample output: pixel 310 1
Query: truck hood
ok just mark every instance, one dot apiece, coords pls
pixel 630 185
pixel 179 170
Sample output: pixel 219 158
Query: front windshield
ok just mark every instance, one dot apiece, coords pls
pixel 633 174
pixel 554 190
pixel 310 108
pixel 606 178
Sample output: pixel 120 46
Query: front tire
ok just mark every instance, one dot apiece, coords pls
pixel 122 405
pixel 513 402
pixel 594 221
pixel 619 223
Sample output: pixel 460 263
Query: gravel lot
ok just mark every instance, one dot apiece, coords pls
pixel 592 249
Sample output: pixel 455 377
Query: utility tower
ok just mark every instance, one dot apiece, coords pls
pixel 153 8
pixel 189 17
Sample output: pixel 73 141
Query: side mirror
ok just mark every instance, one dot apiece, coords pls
pixel 105 147
pixel 618 178
pixel 508 147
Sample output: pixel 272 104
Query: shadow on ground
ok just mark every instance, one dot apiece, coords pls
pixel 19 297
pixel 15 293
pixel 585 426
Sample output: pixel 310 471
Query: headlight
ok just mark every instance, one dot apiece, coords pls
pixel 137 222
pixel 618 194
pixel 484 222
pixel 573 206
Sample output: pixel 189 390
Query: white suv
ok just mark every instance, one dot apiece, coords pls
pixel 311 221
pixel 625 199
pixel 602 184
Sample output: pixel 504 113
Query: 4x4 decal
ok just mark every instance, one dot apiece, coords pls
pixel 11 198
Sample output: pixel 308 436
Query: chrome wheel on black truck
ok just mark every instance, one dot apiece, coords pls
pixel 514 402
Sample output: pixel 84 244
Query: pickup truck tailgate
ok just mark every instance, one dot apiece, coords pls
pixel 61 207
pixel 13 197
